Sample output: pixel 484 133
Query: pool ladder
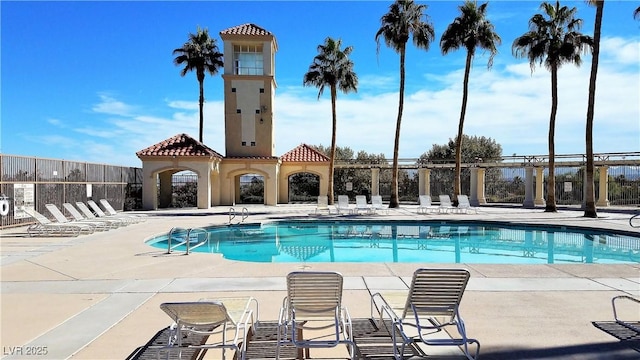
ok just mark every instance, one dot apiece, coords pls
pixel 192 238
pixel 631 221
pixel 232 214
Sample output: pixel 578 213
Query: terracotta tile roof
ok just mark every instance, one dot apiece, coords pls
pixel 179 145
pixel 304 153
pixel 245 29
pixel 252 157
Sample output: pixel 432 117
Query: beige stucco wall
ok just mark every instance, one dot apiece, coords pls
pixel 231 169
pixel 290 168
pixel 152 166
pixel 255 122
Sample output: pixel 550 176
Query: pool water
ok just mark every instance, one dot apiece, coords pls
pixel 411 242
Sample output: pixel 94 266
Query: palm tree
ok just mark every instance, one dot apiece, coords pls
pixel 636 13
pixel 553 39
pixel 590 195
pixel 333 68
pixel 404 19
pixel 470 30
pixel 201 54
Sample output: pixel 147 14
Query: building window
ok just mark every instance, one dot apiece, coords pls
pixel 253 143
pixel 233 89
pixel 244 143
pixel 238 111
pixel 247 60
pixel 258 111
pixel 261 90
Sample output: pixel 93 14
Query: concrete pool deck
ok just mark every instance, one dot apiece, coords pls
pixel 97 296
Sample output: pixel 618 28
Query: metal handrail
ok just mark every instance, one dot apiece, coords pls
pixel 244 214
pixel 189 236
pixel 631 221
pixel 196 233
pixel 232 214
pixel 170 236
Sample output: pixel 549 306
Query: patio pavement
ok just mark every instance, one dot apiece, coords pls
pixel 97 296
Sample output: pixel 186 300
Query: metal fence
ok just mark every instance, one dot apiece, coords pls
pixel 35 182
pixel 29 181
pixel 504 182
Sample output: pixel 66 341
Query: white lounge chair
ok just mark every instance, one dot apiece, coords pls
pixel 343 205
pixel 465 205
pixel 430 307
pixel 446 206
pixel 323 204
pixel 90 215
pixel 376 204
pixel 314 303
pixel 361 205
pixel 425 206
pixel 205 317
pixel 112 223
pixel 46 227
pixel 109 210
pixel 61 218
pixel 101 214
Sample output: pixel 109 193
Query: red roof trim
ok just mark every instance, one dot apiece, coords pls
pixel 304 153
pixel 179 145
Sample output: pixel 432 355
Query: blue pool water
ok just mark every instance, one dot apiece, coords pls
pixel 409 242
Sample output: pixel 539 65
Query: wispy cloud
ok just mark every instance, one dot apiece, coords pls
pixel 509 104
pixel 111 106
pixel 621 51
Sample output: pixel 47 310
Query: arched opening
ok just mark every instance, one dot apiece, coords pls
pixel 251 189
pixel 303 187
pixel 177 188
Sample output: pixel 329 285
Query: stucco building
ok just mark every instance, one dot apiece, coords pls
pixel 249 120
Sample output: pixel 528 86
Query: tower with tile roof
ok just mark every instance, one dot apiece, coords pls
pixel 249 90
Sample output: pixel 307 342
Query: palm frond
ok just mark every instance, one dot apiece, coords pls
pixel 405 19
pixel 471 30
pixel 332 67
pixel 553 38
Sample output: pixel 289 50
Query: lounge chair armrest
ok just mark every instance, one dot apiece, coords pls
pixel 346 322
pixel 615 301
pixel 282 316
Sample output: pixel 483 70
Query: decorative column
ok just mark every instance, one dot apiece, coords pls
pixel 166 191
pixel 603 196
pixel 375 181
pixel 528 188
pixel 539 186
pixel 473 188
pixel 480 187
pixel 424 181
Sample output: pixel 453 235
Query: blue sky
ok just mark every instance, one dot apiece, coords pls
pixel 95 81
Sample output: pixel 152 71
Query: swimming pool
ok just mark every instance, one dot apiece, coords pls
pixel 409 242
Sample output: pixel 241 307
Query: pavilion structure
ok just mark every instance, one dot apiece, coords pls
pixel 249 100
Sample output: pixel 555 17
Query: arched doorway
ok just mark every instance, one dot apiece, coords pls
pixel 177 188
pixel 303 187
pixel 250 189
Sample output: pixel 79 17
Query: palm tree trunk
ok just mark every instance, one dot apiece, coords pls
pixel 333 142
pixel 201 103
pixel 457 188
pixel 590 201
pixel 551 182
pixel 394 201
